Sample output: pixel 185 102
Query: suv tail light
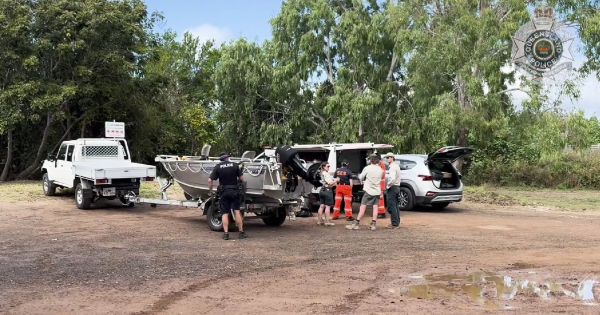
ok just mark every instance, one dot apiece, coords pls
pixel 148 179
pixel 430 194
pixel 101 181
pixel 426 177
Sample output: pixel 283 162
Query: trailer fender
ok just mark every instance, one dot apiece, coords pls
pixel 205 205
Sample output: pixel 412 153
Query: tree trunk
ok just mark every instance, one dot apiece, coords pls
pixel 66 134
pixel 31 168
pixel 462 138
pixel 9 156
pixel 361 131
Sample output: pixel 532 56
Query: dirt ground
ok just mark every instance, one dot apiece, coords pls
pixel 472 258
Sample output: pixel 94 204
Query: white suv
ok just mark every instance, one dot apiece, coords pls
pixel 430 179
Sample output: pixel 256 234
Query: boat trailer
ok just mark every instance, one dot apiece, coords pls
pixel 272 213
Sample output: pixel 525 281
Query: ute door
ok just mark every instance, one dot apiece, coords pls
pixel 450 153
pixel 59 172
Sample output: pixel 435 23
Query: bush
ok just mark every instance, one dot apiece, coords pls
pixel 569 169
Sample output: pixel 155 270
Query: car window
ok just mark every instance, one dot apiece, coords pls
pixel 70 153
pixel 62 152
pixel 406 164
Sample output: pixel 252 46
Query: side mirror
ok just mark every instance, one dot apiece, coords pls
pixel 51 158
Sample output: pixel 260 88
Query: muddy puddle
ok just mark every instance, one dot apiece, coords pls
pixel 495 292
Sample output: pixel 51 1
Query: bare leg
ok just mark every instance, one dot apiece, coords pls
pixel 225 219
pixel 327 212
pixel 361 212
pixel 238 220
pixel 375 212
pixel 320 220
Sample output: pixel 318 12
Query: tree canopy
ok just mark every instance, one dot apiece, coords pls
pixel 413 73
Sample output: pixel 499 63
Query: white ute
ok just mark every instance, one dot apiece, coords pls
pixel 95 168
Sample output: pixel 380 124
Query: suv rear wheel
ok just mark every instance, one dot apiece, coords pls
pixel 405 199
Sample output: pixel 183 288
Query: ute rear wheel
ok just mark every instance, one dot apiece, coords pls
pixel 81 202
pixel 276 218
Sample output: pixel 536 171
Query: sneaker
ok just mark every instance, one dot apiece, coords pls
pixel 320 221
pixel 226 236
pixel 242 235
pixel 389 226
pixel 353 226
pixel 372 227
pixel 329 223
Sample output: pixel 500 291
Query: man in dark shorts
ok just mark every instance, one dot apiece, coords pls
pixel 343 191
pixel 228 174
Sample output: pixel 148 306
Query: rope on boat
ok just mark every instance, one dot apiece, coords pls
pixel 259 173
pixel 179 168
pixel 192 170
pixel 203 169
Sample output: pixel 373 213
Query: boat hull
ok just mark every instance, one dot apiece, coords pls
pixel 264 182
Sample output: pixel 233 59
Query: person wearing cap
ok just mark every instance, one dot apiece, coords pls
pixel 371 177
pixel 228 174
pixel 343 191
pixel 393 190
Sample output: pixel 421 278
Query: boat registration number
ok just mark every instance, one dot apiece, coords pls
pixel 111 191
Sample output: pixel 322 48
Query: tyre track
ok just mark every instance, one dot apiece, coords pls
pixel 353 300
pixel 166 301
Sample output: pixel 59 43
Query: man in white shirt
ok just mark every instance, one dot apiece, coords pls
pixel 371 178
pixel 393 190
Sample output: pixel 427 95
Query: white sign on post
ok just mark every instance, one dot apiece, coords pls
pixel 114 129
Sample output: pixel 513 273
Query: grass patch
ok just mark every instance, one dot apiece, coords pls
pixel 27 191
pixel 571 200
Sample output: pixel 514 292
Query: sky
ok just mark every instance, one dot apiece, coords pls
pixel 230 19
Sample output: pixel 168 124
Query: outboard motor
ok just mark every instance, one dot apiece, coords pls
pixel 289 159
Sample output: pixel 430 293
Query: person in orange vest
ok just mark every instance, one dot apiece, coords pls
pixel 343 191
pixel 381 209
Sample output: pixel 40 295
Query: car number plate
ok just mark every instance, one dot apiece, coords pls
pixel 109 191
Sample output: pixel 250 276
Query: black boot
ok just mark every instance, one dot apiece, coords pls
pixel 381 216
pixel 243 234
pixel 226 236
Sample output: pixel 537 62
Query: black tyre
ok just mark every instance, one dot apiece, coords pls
pixel 49 187
pixel 406 199
pixel 213 218
pixel 80 201
pixel 440 206
pixel 276 218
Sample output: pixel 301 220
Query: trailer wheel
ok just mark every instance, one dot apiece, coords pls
pixel 80 201
pixel 276 218
pixel 124 202
pixel 213 218
pixel 49 187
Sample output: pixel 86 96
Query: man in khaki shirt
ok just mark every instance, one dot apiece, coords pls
pixel 393 190
pixel 371 178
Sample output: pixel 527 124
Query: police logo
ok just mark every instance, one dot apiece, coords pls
pixel 539 46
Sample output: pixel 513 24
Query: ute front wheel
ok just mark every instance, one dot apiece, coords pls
pixel 49 187
pixel 81 202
